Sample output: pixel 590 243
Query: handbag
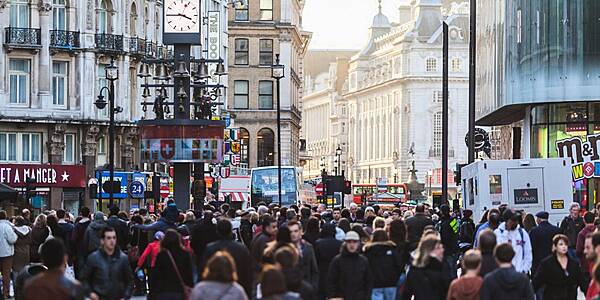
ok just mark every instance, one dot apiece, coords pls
pixel 187 291
pixel 134 252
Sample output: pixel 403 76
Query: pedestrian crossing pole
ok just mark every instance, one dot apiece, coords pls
pixel 445 114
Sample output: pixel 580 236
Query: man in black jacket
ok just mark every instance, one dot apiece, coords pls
pixel 506 282
pixel 259 242
pixel 203 233
pixel 238 251
pixel 571 225
pixel 541 239
pixel 120 227
pixel 449 236
pixel 106 274
pixel 77 240
pixel 349 275
pixel 308 262
pixel 326 248
pixel 415 226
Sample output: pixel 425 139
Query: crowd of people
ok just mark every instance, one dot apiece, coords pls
pixel 306 252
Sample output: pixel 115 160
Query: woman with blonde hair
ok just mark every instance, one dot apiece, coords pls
pixel 429 277
pixel 39 234
pixel 219 280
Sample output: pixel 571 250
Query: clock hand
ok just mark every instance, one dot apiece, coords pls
pixel 182 15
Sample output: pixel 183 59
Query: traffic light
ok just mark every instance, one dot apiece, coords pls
pixel 29 188
pixel 457 173
pixel 199 189
pixel 347 187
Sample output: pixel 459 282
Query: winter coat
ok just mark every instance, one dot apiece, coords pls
pixel 257 249
pixel 428 283
pixel 311 238
pixel 506 283
pixel 164 277
pixel 150 252
pixel 53 285
pixel 7 239
pixel 241 257
pixel 414 229
pixel 349 277
pixel 466 232
pixel 108 276
pixel 64 233
pixel 308 264
pixel 213 290
pixel 559 285
pixel 585 263
pixel 465 288
pixel 325 250
pixel 520 243
pixel 571 228
pixel 121 229
pixel 385 262
pixel 541 242
pixel 488 263
pixel 38 237
pixel 204 233
pixel 91 238
pixel 22 246
pixel 246 232
pixel 449 235
pixel 77 237
pixel 295 283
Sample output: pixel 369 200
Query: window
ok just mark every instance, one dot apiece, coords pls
pixel 19 13
pixel 241 51
pixel 266 52
pixel 431 65
pixel 495 184
pixel 59 82
pixel 266 10
pixel 245 146
pixel 101 146
pixel 519 26
pixel 8 146
pixel 241 10
pixel 69 152
pixel 437 135
pixel 266 147
pixel 456 64
pixel 59 15
pixel 240 97
pixel 438 96
pixel 103 17
pixel 30 147
pixel 265 94
pixel 102 82
pixel 19 81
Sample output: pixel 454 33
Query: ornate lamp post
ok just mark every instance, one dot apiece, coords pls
pixel 277 73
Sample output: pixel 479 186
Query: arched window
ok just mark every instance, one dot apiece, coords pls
pixel 133 20
pixel 245 146
pixel 266 147
pixel 59 14
pixel 104 16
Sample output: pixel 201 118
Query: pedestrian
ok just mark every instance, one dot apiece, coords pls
pixel 26 214
pixel 92 239
pixel 203 233
pixel 506 282
pixel 349 273
pixel 559 275
pixel 326 248
pixel 78 239
pixel 312 230
pixel 65 231
pixel 150 252
pixel 541 238
pixel 386 265
pixel 172 273
pixel 592 254
pixel 120 227
pixel 429 277
pixel 529 222
pixel 106 274
pixel 588 219
pixel 246 230
pixel 336 215
pixel 138 242
pixel 237 251
pixel 272 285
pixel 308 262
pixel 487 243
pixel 8 238
pixel 492 221
pixel 259 242
pixel 415 226
pixel 22 255
pixel 511 231
pixel 397 232
pixel 571 225
pixel 468 286
pixel 39 233
pixel 53 284
pixel 287 258
pixel 449 226
pixel 466 232
pixel 219 280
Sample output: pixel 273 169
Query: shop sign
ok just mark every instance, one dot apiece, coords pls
pixel 121 178
pixel 584 155
pixel 181 143
pixel 66 176
pixel 214 43
pixel 526 196
pixel 557 204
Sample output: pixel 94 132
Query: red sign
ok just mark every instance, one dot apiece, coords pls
pixel 164 191
pixel 69 176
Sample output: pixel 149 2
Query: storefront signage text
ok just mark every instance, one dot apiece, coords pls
pixel 584 155
pixel 16 175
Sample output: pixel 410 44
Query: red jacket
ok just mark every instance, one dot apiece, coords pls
pixel 593 289
pixel 152 249
pixel 585 264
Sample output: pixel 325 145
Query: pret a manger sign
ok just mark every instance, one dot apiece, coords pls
pixel 585 155
pixel 16 175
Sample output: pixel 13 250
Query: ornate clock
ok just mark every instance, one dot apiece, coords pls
pixel 181 22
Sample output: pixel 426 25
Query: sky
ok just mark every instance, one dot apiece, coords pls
pixel 343 24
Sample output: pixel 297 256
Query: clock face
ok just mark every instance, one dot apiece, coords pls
pixel 181 16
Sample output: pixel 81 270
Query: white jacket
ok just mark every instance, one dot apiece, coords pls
pixel 519 239
pixel 8 238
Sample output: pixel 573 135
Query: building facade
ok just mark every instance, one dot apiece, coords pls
pixel 537 77
pixel 258 30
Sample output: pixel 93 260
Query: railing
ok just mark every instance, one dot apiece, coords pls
pixel 64 39
pixel 109 42
pixel 27 37
pixel 137 46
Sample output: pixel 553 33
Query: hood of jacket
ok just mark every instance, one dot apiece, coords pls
pixel 508 278
pixel 22 230
pixel 97 225
pixel 379 247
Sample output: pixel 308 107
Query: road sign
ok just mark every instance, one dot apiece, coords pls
pixel 136 189
pixel 164 191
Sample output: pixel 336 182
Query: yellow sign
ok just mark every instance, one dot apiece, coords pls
pixel 557 204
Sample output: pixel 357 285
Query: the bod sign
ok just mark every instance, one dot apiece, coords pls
pixel 585 155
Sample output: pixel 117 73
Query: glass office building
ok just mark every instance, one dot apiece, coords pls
pixel 539 64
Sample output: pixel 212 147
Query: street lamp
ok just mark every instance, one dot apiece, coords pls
pixel 112 74
pixel 277 73
pixel 338 158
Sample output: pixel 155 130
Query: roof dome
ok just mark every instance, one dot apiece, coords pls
pixel 380 21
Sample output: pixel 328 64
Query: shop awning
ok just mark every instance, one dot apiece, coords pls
pixel 7 192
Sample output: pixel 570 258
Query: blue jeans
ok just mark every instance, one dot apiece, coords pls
pixel 388 293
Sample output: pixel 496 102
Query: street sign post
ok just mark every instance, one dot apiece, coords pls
pixel 136 189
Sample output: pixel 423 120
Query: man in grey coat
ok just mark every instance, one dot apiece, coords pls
pixel 8 238
pixel 308 261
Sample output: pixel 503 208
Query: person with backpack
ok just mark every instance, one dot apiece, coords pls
pixel 448 228
pixel 466 231
pixel 91 238
pixel 510 232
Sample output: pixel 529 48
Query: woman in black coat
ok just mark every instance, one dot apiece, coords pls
pixel 429 277
pixel 326 248
pixel 165 282
pixel 559 274
pixel 385 262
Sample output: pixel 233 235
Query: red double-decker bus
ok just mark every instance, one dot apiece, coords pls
pixel 370 193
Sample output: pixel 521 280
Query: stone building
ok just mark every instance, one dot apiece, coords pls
pixel 258 30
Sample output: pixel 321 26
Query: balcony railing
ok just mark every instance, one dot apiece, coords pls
pixel 109 42
pixel 137 46
pixel 66 40
pixel 15 37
